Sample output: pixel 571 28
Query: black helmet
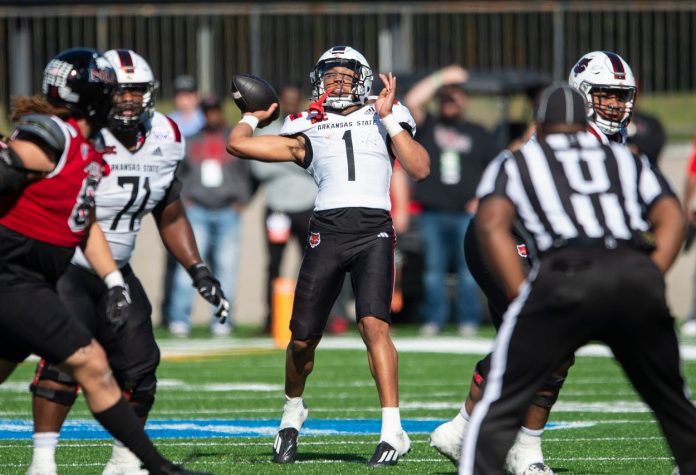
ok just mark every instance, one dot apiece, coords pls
pixel 82 80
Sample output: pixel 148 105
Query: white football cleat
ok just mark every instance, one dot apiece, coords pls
pixel 447 438
pixel 123 462
pixel 42 467
pixel 525 457
pixel 390 450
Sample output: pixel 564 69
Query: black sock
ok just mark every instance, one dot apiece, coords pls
pixel 124 425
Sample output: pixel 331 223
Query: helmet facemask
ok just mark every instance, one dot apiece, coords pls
pixel 133 106
pixel 609 106
pixel 326 76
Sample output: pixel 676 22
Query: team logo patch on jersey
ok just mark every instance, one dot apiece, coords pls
pixel 314 239
pixel 522 250
pixel 161 134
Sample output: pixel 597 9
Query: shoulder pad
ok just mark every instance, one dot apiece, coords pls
pixel 42 128
pixel 296 123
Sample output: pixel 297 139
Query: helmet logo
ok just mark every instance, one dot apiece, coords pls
pixel 57 73
pixel 582 65
pixel 102 75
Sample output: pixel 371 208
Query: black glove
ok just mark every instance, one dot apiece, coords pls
pixel 209 288
pixel 118 305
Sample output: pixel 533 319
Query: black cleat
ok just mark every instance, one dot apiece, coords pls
pixel 384 456
pixel 285 446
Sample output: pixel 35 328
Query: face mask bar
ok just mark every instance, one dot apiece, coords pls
pixel 129 114
pixel 322 72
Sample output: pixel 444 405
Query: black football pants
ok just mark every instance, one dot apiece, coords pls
pixel 575 296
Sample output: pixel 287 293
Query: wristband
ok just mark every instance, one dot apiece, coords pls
pixel 251 121
pixel 114 279
pixel 392 126
pixel 194 268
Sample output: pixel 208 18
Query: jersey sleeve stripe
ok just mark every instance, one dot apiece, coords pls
pixel 175 128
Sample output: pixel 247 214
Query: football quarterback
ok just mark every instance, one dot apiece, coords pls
pixel 347 142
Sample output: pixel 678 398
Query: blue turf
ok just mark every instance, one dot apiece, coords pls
pixel 185 428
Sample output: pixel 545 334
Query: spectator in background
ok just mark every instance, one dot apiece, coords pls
pixel 190 119
pixel 459 152
pixel 400 194
pixel 188 114
pixel 689 328
pixel 216 188
pixel 290 193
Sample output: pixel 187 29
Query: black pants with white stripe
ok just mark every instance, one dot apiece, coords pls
pixel 579 295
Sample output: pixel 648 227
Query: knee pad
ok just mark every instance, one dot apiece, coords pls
pixel 481 370
pixel 546 397
pixel 48 372
pixel 142 395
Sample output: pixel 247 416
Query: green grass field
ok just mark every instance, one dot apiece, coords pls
pixel 617 435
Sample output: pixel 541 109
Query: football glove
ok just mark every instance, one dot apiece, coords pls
pixel 209 288
pixel 118 305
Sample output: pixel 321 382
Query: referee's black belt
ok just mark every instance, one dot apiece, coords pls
pixel 639 243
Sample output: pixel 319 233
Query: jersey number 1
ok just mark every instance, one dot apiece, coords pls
pixel 348 139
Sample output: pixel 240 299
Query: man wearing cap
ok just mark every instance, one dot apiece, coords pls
pixel 585 207
pixel 188 114
pixel 216 188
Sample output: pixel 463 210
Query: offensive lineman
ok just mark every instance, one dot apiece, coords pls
pixel 143 150
pixel 609 87
pixel 348 149
pixel 43 219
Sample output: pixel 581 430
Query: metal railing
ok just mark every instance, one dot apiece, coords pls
pixel 281 41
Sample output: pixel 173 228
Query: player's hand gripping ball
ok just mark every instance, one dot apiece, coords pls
pixel 252 94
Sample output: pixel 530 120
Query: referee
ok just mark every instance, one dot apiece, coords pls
pixel 586 207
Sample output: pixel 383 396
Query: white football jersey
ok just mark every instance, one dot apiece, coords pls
pixel 348 156
pixel 137 183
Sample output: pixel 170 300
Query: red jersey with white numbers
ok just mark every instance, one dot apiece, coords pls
pixel 56 209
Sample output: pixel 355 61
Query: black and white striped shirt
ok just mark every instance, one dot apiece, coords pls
pixel 570 186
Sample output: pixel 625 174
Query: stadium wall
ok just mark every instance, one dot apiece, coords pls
pixel 280 41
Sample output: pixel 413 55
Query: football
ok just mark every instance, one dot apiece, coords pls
pixel 251 94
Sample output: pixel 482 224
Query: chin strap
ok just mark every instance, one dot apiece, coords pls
pixel 315 111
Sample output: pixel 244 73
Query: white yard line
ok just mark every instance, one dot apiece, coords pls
pixel 444 344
